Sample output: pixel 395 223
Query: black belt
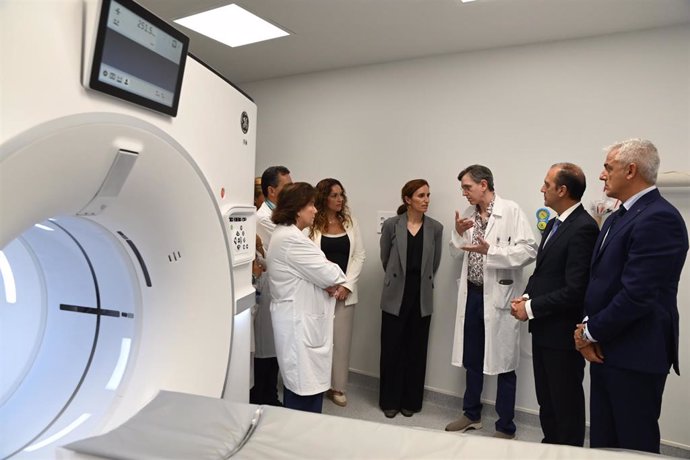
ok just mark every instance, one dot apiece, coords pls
pixel 474 287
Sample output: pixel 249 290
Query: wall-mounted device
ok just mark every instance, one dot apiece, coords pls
pixel 381 217
pixel 138 57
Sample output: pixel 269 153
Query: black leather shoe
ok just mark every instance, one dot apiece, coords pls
pixel 407 413
pixel 390 413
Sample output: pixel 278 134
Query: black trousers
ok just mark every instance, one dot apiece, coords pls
pixel 624 408
pixel 308 403
pixel 404 341
pixel 265 389
pixel 558 378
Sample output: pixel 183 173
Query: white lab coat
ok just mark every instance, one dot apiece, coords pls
pixel 301 311
pixel 263 328
pixel 264 224
pixel 512 247
pixel 264 345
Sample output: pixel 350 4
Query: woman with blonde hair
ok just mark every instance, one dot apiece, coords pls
pixel 337 233
pixel 411 244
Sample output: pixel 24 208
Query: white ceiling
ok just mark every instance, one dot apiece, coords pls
pixel 331 34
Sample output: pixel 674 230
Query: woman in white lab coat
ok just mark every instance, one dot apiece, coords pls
pixel 302 284
pixel 337 233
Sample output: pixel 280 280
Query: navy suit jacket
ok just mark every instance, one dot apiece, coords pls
pixel 631 299
pixel 557 286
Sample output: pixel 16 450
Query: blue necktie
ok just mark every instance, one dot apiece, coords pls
pixel 552 232
pixel 614 218
pixel 617 215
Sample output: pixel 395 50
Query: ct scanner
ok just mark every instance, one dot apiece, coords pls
pixel 126 241
pixel 126 235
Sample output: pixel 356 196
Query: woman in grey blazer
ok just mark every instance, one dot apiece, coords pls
pixel 411 246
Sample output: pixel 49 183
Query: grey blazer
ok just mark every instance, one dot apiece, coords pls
pixel 394 259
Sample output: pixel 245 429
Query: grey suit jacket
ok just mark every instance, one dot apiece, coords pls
pixel 394 259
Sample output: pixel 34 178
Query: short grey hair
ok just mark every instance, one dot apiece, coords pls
pixel 641 152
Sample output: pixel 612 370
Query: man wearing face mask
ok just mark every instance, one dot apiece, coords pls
pixel 265 391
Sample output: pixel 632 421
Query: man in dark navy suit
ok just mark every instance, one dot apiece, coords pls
pixel 630 333
pixel 553 303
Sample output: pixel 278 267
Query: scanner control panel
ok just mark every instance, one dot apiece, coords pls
pixel 241 227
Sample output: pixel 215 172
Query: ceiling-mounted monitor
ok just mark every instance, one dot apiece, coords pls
pixel 138 57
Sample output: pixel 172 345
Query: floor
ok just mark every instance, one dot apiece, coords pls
pixel 438 410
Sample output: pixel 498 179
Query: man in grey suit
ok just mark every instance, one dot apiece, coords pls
pixel 553 304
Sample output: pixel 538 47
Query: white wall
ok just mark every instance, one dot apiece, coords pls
pixel 516 110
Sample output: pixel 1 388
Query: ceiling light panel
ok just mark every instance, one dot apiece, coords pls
pixel 232 25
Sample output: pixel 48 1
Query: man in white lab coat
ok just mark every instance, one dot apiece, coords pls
pixel 273 180
pixel 265 389
pixel 495 241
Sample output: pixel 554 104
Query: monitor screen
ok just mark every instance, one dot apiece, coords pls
pixel 138 57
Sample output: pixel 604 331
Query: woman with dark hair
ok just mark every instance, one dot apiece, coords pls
pixel 411 246
pixel 336 232
pixel 302 282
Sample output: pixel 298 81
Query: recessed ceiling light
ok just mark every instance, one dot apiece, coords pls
pixel 466 1
pixel 232 25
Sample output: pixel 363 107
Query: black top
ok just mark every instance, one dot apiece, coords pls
pixel 337 249
pixel 413 271
pixel 415 246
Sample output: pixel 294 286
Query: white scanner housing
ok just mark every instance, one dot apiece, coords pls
pixel 117 272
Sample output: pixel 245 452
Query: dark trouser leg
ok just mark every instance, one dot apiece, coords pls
pixel 310 403
pixel 391 364
pixel 631 406
pixel 271 392
pixel 505 402
pixel 547 416
pixel 415 349
pixel 565 397
pixel 473 354
pixel 602 431
pixel 257 391
pixel 265 389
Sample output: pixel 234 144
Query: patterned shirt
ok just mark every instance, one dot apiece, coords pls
pixel 475 269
